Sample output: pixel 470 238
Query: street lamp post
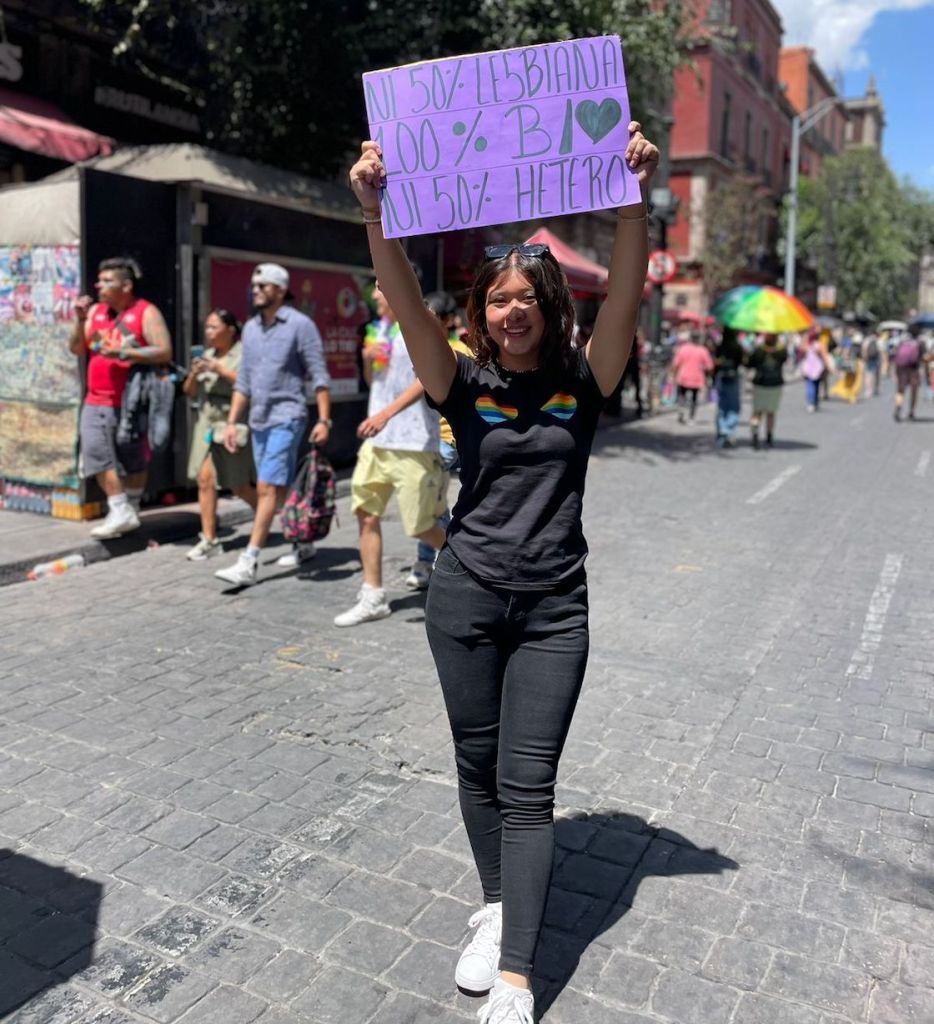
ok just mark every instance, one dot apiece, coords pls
pixel 800 123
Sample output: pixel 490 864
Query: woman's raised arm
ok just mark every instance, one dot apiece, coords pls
pixel 611 341
pixel 425 337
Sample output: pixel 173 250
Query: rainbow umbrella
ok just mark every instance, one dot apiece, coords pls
pixel 762 309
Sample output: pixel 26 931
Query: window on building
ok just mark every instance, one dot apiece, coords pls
pixel 764 161
pixel 747 142
pixel 720 12
pixel 848 133
pixel 725 126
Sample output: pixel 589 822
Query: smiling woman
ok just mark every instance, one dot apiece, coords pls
pixel 506 614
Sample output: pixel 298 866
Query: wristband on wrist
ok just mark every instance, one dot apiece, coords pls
pixel 327 423
pixel 369 217
pixel 642 216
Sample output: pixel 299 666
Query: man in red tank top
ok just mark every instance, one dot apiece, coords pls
pixel 118 331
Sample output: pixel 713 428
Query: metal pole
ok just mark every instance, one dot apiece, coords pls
pixel 792 206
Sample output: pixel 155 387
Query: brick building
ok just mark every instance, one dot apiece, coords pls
pixel 732 122
pixel 806 86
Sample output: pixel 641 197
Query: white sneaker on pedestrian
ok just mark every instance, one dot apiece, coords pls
pixel 508 1005
pixel 478 966
pixel 371 605
pixel 242 573
pixel 294 558
pixel 205 548
pixel 418 576
pixel 120 519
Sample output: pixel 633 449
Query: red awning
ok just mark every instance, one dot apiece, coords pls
pixel 583 274
pixel 40 127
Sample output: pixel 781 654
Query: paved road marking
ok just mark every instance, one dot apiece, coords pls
pixel 922 466
pixel 864 656
pixel 858 421
pixel 773 485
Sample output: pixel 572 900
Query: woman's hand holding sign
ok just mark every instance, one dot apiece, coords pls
pixel 367 177
pixel 641 155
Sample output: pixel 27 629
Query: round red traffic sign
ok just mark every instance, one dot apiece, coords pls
pixel 662 266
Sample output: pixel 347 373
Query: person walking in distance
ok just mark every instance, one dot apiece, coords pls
pixel 119 331
pixel 766 362
pixel 210 465
pixel 728 360
pixel 909 360
pixel 399 454
pixel 692 366
pixel 506 614
pixel 281 348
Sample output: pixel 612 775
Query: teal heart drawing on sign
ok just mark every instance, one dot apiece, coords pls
pixel 598 121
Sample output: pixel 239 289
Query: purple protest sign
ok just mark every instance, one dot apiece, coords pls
pixel 491 138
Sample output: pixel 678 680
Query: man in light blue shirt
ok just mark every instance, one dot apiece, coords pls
pixel 281 349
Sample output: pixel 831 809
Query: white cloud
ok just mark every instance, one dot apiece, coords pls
pixel 835 28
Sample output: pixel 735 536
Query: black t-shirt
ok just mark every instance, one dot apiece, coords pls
pixel 767 362
pixel 523 440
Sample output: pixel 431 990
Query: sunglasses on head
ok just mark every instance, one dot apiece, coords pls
pixel 498 252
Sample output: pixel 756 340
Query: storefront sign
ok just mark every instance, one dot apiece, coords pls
pixel 333 299
pixel 537 131
pixel 142 106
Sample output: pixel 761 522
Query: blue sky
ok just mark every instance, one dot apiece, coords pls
pixel 894 42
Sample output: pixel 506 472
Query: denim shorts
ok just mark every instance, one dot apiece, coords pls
pixel 275 452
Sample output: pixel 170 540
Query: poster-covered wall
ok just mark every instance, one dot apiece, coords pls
pixel 40 388
pixel 333 299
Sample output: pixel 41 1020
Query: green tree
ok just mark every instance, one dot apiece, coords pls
pixel 280 80
pixel 863 232
pixel 730 223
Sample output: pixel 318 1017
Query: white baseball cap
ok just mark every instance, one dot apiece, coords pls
pixel 271 273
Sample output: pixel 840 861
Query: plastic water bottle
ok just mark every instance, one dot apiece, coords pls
pixel 57 567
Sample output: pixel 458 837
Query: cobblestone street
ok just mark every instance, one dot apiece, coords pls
pixel 217 808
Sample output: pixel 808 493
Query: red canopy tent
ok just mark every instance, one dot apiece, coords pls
pixel 39 127
pixel 583 275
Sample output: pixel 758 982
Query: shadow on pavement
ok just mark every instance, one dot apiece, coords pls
pixel 604 859
pixel 48 920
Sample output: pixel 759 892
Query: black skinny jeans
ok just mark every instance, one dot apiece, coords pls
pixel 511 664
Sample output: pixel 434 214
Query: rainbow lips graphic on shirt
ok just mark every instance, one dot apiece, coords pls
pixel 493 413
pixel 561 405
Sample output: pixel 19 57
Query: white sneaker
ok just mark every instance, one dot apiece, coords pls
pixel 418 576
pixel 120 520
pixel 242 573
pixel 371 605
pixel 508 1005
pixel 478 966
pixel 205 548
pixel 299 553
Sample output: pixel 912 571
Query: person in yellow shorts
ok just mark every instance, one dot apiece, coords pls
pixel 444 307
pixel 399 455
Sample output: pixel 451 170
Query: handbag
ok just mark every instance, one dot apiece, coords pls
pixel 311 503
pixel 217 434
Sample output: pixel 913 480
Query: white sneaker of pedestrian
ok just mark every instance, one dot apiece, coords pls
pixel 205 548
pixel 119 520
pixel 242 573
pixel 508 1005
pixel 371 605
pixel 418 576
pixel 294 558
pixel 478 966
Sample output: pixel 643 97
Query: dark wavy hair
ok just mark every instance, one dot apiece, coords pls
pixel 552 293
